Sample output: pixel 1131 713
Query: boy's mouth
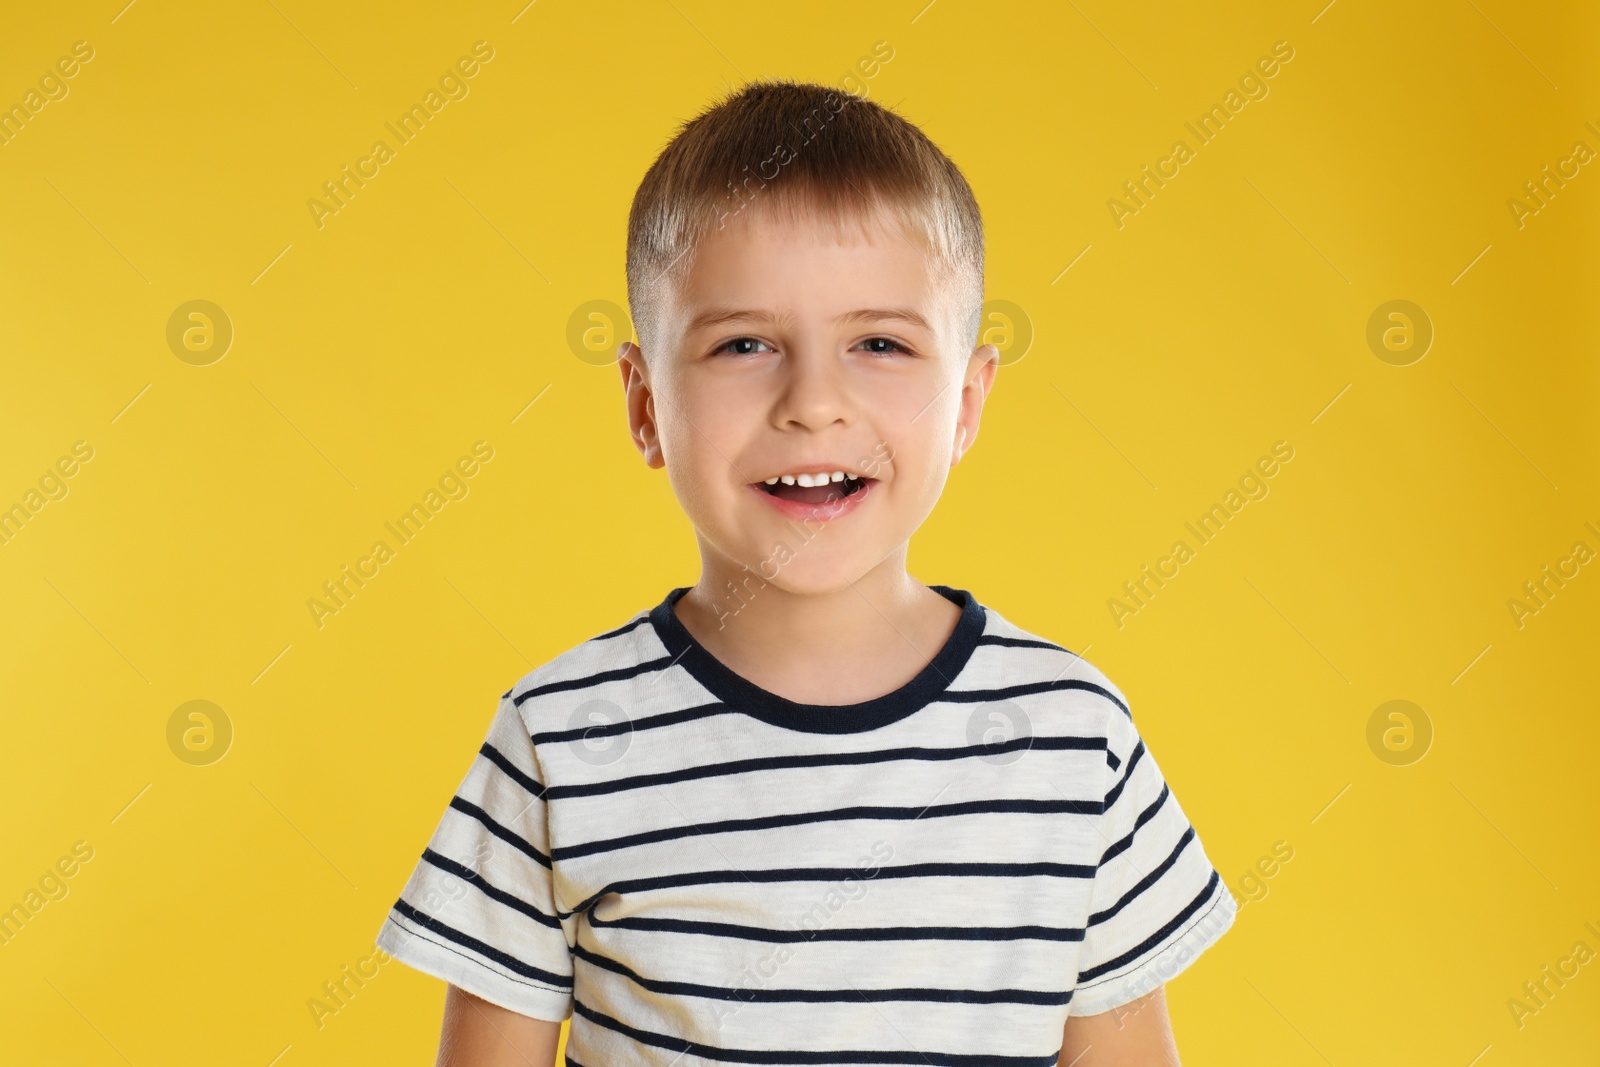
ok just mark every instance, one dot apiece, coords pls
pixel 820 487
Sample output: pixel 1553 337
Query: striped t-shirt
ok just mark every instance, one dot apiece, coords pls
pixel 698 871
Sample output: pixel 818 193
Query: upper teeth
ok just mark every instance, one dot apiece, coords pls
pixel 822 478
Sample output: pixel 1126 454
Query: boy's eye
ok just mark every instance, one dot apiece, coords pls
pixel 882 345
pixel 749 346
pixel 742 346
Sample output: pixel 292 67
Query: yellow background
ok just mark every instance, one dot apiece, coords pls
pixel 427 314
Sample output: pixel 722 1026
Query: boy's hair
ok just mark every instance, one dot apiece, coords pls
pixel 803 150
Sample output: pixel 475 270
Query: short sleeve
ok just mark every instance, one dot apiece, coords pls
pixel 1156 901
pixel 479 910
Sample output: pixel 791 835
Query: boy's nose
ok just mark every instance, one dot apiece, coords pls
pixel 814 393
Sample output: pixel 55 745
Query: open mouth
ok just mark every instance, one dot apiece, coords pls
pixel 815 488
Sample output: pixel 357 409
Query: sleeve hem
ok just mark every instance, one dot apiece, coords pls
pixel 421 952
pixel 1174 958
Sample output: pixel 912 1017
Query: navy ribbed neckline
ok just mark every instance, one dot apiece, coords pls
pixel 744 695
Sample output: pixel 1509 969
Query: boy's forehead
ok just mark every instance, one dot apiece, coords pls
pixel 790 263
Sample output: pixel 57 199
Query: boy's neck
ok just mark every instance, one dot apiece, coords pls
pixel 865 639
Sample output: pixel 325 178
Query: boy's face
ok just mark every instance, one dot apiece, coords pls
pixel 791 349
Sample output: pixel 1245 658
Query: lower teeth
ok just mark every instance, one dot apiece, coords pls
pixel 848 487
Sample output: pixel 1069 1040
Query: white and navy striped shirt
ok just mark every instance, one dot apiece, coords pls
pixel 698 871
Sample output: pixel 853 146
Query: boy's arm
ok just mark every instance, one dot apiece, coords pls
pixel 1137 1034
pixel 477 1033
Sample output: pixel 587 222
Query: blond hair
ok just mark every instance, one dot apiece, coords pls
pixel 802 150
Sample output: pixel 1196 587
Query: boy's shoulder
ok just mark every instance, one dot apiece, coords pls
pixel 626 650
pixel 1023 662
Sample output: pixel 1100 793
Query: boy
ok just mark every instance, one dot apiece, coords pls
pixel 809 810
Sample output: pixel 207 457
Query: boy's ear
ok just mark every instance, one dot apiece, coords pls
pixel 640 403
pixel 977 381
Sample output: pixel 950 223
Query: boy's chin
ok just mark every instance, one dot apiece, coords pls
pixel 816 577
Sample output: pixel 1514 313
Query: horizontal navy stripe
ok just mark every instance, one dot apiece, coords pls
pixel 619 631
pixel 498 758
pixel 562 981
pixel 1156 938
pixel 1133 761
pixel 493 892
pixel 627 627
pixel 912 1056
pixel 849 994
pixel 886 812
pixel 830 759
pixel 577 734
pixel 837 874
pixel 1146 882
pixel 1144 816
pixel 526 847
pixel 980 696
pixel 847 934
pixel 590 680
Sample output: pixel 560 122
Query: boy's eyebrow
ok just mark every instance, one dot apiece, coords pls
pixel 911 315
pixel 720 316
